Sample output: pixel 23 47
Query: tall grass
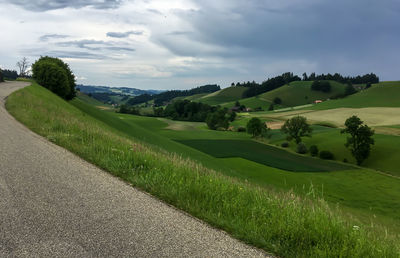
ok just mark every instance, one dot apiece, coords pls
pixel 283 224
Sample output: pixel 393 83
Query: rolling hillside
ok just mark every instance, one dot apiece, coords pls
pixel 294 94
pixel 300 93
pixel 383 94
pixel 222 96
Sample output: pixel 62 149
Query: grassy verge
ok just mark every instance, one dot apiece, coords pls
pixel 283 224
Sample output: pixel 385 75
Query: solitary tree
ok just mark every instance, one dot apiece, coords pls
pixel 360 140
pixel 1 77
pixel 256 127
pixel 23 66
pixel 296 127
pixel 55 75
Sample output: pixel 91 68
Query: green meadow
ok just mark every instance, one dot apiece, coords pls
pixel 286 203
pixel 383 94
pixel 222 96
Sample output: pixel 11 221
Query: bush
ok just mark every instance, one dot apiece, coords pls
pixel 271 107
pixel 277 100
pixel 301 148
pixel 313 150
pixel 241 129
pixel 285 144
pixel 55 75
pixel 9 74
pixel 326 155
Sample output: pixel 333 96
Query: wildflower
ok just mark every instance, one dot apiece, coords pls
pixel 356 227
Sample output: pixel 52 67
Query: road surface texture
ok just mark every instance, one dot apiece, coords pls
pixel 52 203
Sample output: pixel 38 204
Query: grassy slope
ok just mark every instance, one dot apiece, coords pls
pixel 222 96
pixel 253 102
pixel 383 94
pixel 283 224
pixel 300 93
pixel 367 199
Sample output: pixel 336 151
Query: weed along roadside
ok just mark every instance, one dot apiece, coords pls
pixel 283 223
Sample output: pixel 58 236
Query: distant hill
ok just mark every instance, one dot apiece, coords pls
pixel 222 96
pixel 167 96
pixel 115 90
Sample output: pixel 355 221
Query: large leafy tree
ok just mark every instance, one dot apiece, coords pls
pixel 296 127
pixel 55 75
pixel 256 127
pixel 360 140
pixel 217 120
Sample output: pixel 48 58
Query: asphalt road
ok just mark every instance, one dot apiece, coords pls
pixel 52 203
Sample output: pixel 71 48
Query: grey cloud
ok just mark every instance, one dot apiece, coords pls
pixel 44 5
pixel 123 34
pixel 303 28
pixel 95 45
pixel 356 35
pixel 120 48
pixel 47 37
pixel 177 33
pixel 85 43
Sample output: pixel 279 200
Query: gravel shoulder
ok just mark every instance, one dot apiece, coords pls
pixel 55 204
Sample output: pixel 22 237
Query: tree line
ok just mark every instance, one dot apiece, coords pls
pixel 364 79
pixel 165 97
pixel 8 74
pixel 359 138
pixel 186 110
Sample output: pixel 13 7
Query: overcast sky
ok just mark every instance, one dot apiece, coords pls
pixel 178 44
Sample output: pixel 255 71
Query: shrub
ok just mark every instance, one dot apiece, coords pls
pixel 313 150
pixel 285 144
pixel 301 148
pixel 326 154
pixel 271 107
pixel 55 75
pixel 277 100
pixel 241 129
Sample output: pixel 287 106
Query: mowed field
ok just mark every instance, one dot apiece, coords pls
pixel 373 116
pixel 264 154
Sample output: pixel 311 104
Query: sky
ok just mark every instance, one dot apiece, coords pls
pixel 181 44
